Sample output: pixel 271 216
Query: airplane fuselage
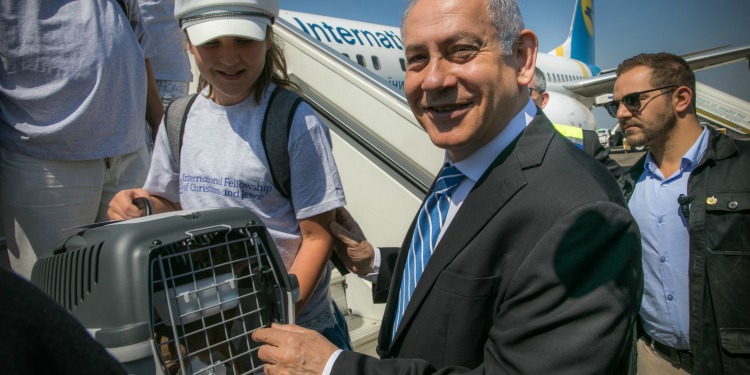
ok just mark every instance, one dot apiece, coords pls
pixel 380 49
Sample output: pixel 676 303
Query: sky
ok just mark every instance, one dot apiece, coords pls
pixel 622 29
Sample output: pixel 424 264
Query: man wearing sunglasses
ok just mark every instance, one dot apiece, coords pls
pixel 690 195
pixel 587 140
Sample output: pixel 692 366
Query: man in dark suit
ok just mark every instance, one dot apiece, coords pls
pixel 586 140
pixel 535 265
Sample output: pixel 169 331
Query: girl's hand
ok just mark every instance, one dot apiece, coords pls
pixel 122 208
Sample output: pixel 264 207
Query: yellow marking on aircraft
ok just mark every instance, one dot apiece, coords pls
pixel 559 51
pixel 584 69
pixel 587 10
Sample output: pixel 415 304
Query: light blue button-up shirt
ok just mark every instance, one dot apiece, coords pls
pixel 665 309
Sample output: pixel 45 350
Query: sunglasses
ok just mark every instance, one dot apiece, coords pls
pixel 631 101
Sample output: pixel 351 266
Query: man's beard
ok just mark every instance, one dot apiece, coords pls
pixel 663 125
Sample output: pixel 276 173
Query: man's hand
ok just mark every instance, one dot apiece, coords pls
pixel 291 349
pixel 350 244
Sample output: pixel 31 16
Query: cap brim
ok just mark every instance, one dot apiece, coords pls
pixel 240 27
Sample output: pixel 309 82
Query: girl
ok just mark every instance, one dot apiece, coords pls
pixel 222 151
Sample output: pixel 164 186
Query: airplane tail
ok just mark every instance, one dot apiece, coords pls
pixel 580 42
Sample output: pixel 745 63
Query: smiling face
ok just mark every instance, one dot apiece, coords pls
pixel 459 85
pixel 231 65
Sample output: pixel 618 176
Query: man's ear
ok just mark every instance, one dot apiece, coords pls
pixel 526 51
pixel 545 99
pixel 683 99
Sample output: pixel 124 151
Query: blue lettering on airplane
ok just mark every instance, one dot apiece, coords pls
pixel 340 35
pixel 398 84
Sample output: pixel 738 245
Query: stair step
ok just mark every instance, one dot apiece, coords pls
pixel 364 334
pixel 362 331
pixel 337 287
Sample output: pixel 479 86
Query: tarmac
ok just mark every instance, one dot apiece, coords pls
pixel 625 159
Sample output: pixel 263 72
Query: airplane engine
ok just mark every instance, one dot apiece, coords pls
pixel 562 109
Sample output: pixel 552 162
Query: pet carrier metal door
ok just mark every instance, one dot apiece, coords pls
pixel 174 293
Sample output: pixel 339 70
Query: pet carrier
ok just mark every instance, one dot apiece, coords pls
pixel 173 293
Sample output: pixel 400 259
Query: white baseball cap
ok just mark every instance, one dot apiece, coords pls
pixel 206 20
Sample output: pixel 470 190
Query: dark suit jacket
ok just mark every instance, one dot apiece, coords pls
pixel 593 147
pixel 40 337
pixel 538 273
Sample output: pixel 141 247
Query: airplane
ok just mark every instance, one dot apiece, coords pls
pixel 379 48
pixel 574 82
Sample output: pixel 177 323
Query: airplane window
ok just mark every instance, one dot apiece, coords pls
pixel 403 64
pixel 361 61
pixel 347 55
pixel 376 63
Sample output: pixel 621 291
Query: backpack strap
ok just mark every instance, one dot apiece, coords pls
pixel 175 116
pixel 275 136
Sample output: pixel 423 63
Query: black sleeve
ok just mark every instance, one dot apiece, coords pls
pixel 40 337
pixel 388 257
pixel 592 147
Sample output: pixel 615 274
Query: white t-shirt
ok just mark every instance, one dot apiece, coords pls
pixel 223 164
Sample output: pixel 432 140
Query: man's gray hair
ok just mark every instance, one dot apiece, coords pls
pixel 540 83
pixel 506 17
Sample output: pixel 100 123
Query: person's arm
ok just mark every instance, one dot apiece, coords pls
pixel 121 207
pixel 313 254
pixel 360 257
pixel 580 287
pixel 600 153
pixel 353 249
pixel 154 107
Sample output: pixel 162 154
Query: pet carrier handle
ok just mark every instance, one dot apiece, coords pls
pixel 214 228
pixel 144 204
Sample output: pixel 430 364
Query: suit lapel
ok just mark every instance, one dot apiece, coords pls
pixel 502 180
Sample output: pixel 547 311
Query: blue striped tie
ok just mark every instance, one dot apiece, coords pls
pixel 429 223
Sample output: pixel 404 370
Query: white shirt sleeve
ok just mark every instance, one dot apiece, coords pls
pixel 373 276
pixel 331 360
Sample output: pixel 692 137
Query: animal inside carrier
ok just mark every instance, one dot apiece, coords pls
pixel 174 293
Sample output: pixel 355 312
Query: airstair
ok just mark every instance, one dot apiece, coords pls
pixel 723 110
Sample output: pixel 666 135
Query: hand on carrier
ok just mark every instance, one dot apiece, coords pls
pixel 291 349
pixel 121 207
pixel 350 244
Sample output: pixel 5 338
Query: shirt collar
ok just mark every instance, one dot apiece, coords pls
pixel 691 157
pixel 477 163
pixel 695 153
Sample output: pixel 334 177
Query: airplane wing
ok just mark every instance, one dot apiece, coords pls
pixel 603 83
